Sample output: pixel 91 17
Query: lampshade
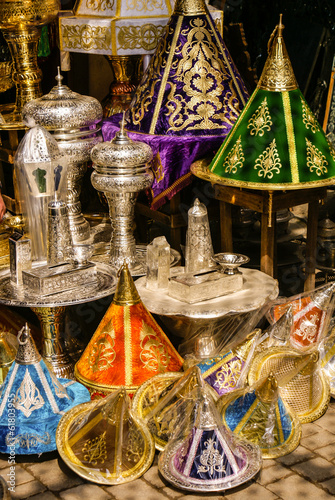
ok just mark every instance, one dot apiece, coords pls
pixel 276 143
pixel 128 346
pixel 191 86
pixel 117 28
pixel 114 28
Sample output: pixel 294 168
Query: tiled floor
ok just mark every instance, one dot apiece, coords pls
pixel 307 473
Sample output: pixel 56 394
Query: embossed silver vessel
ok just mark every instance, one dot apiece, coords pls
pixel 73 119
pixel 121 172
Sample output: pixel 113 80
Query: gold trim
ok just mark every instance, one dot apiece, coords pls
pixel 165 76
pixel 219 364
pixel 127 346
pixel 199 169
pixel 229 137
pixel 106 389
pixel 118 8
pixel 314 413
pixel 209 18
pixel 62 441
pixel 269 453
pixel 113 38
pixel 290 137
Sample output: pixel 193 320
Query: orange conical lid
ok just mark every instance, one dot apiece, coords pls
pixel 128 346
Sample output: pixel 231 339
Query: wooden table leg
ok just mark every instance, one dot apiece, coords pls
pixel 226 227
pixel 312 229
pixel 268 257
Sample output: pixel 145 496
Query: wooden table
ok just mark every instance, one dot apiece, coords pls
pixel 267 203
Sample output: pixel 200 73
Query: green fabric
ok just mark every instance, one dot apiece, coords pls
pixel 43 44
pixel 288 120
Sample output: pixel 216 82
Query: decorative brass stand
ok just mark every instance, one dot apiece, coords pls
pixel 53 349
pixel 127 71
pixel 20 22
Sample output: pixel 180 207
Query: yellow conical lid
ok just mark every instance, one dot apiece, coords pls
pixel 126 293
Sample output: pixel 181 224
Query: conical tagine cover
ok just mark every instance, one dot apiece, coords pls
pixel 261 416
pixel 128 346
pixel 104 442
pixel 191 86
pixel 164 400
pixel 204 455
pixel 276 143
pixel 303 385
pixel 33 400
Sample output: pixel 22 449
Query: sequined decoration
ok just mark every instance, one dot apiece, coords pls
pixel 315 159
pixel 306 330
pixel 260 120
pixel 95 451
pixel 144 94
pixel 211 460
pixel 102 354
pixel 235 158
pixel 60 390
pixel 308 118
pixel 154 354
pixel 268 162
pixel 28 397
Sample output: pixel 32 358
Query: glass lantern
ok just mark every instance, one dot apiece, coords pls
pixel 40 171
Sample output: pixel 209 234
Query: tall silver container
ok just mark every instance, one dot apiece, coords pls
pixel 73 119
pixel 121 171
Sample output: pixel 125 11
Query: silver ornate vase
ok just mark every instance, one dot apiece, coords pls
pixel 121 172
pixel 73 119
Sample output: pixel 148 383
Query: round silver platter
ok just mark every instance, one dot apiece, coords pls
pixel 257 288
pixel 12 295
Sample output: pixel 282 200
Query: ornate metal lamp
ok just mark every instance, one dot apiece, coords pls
pixel 20 22
pixel 121 31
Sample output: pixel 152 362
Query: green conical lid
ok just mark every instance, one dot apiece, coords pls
pixel 276 143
